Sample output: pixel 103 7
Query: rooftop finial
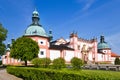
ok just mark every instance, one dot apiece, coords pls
pixel 35 13
pixel 35 9
pixel 35 17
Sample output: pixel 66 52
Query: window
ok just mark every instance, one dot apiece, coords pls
pixel 42 53
pixel 102 56
pixel 78 47
pixel 5 57
pixel 41 42
pixel 104 51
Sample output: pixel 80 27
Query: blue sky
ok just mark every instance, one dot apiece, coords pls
pixel 89 18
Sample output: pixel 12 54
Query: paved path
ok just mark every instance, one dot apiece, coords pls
pixel 5 76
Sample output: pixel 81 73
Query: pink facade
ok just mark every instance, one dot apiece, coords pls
pixel 7 60
pixel 76 47
pixel 84 49
pixel 89 51
pixel 43 43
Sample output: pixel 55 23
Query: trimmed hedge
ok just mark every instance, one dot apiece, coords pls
pixel 30 73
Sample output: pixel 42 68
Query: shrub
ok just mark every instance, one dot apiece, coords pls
pixel 117 61
pixel 58 63
pixel 46 62
pixel 36 62
pixel 41 62
pixel 76 63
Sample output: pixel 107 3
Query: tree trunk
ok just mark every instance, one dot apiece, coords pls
pixel 25 62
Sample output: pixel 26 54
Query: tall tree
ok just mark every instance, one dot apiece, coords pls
pixel 117 61
pixel 3 36
pixel 25 49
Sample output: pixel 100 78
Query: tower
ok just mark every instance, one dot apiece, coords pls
pixel 38 34
pixel 104 49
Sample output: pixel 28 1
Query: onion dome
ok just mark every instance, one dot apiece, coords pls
pixel 102 44
pixel 35 29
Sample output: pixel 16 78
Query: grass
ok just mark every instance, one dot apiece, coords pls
pixel 94 72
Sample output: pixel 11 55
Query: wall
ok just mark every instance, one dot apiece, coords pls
pixel 68 55
pixel 54 54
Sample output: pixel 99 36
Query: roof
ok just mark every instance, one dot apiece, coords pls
pixel 114 55
pixel 59 41
pixel 103 45
pixel 60 47
pixel 35 30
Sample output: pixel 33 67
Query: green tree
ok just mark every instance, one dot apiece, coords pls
pixel 58 63
pixel 3 36
pixel 76 63
pixel 25 49
pixel 117 61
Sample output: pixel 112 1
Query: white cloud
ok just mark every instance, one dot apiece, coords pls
pixel 87 4
pixel 67 40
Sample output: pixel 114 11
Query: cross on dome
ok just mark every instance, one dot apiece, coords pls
pixel 35 13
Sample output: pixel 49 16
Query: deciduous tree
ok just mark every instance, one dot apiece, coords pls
pixel 3 36
pixel 25 49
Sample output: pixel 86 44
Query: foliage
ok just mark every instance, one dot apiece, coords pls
pixel 117 61
pixel 76 63
pixel 3 36
pixel 36 62
pixel 41 62
pixel 58 63
pixel 0 62
pixel 25 49
pixel 29 73
pixel 2 48
pixel 46 62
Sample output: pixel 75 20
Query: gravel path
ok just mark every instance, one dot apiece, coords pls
pixel 5 76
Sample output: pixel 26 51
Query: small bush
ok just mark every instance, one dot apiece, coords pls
pixel 58 63
pixel 46 62
pixel 117 61
pixel 41 62
pixel 76 63
pixel 36 62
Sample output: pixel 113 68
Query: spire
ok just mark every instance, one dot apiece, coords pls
pixel 35 17
pixel 50 35
pixel 102 39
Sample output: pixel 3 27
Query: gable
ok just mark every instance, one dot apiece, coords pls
pixel 59 41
